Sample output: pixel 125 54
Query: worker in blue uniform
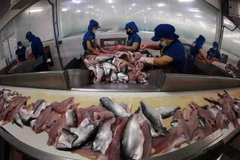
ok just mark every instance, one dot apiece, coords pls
pixel 172 50
pixel 133 41
pixel 37 50
pixel 21 52
pixel 89 40
pixel 213 53
pixel 196 50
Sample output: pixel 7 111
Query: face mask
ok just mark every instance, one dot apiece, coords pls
pixel 94 31
pixel 214 48
pixel 163 43
pixel 20 47
pixel 128 32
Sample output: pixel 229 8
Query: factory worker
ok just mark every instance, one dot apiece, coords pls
pixel 195 51
pixel 21 52
pixel 89 40
pixel 37 50
pixel 173 52
pixel 133 41
pixel 213 53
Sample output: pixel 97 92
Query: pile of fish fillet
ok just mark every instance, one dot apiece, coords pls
pixel 119 67
pixel 110 131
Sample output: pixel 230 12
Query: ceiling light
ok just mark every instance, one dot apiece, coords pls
pixel 185 0
pixel 78 11
pixel 110 1
pixel 64 9
pixel 179 14
pixel 194 10
pixel 113 7
pixel 97 9
pixel 90 6
pixel 36 10
pixel 161 4
pixel 197 16
pixel 76 1
pixel 86 12
pixel 130 8
pixel 133 4
pixel 149 8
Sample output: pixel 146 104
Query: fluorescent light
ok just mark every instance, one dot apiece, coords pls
pixel 185 0
pixel 90 6
pixel 97 9
pixel 76 1
pixel 110 1
pixel 133 4
pixel 197 16
pixel 149 8
pixel 92 13
pixel 86 12
pixel 78 11
pixel 64 9
pixel 161 4
pixel 36 10
pixel 130 8
pixel 179 14
pixel 160 12
pixel 113 7
pixel 194 10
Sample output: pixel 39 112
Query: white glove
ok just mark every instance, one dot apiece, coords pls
pixel 147 60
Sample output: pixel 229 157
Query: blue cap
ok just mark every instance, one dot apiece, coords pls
pixel 19 43
pixel 92 24
pixel 132 25
pixel 215 44
pixel 164 31
pixel 201 38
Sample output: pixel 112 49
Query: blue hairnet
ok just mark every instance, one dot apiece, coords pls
pixel 93 24
pixel 133 26
pixel 164 31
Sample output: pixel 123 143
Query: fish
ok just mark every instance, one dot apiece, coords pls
pixel 147 145
pixel 54 116
pixel 127 107
pixel 64 106
pixel 213 111
pixel 100 74
pixel 86 132
pixel 71 117
pixel 132 139
pixel 104 58
pixel 183 129
pixel 17 120
pixel 207 128
pixel 198 134
pixel 110 105
pixel 107 65
pixel 26 116
pixel 177 115
pixel 193 122
pixel 187 112
pixel 93 69
pixel 113 77
pixel 104 136
pixel 99 117
pixel 42 120
pixel 154 119
pixel 113 151
pixel 214 103
pixel 65 140
pixel 39 108
pixel 122 77
pixel 203 113
pixel 56 130
pixel 167 111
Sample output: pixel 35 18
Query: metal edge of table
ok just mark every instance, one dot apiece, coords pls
pixel 29 150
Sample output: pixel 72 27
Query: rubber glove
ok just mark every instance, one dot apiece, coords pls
pixel 104 50
pixel 147 60
pixel 95 52
pixel 150 46
pixel 120 47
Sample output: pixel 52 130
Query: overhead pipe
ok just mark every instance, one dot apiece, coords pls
pixel 55 35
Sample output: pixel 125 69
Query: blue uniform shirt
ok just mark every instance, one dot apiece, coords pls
pixel 134 38
pixel 213 53
pixel 177 52
pixel 194 49
pixel 89 36
pixel 21 54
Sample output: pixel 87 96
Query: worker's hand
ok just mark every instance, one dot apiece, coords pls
pixel 95 52
pixel 104 50
pixel 30 56
pixel 150 46
pixel 147 60
pixel 120 47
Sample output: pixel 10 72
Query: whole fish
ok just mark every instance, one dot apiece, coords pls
pixel 168 111
pixel 154 119
pixel 104 136
pixel 110 105
pixel 132 139
pixel 66 139
pixel 107 65
pixel 71 117
pixel 86 132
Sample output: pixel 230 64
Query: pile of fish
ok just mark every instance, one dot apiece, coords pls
pixel 120 67
pixel 230 69
pixel 111 131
